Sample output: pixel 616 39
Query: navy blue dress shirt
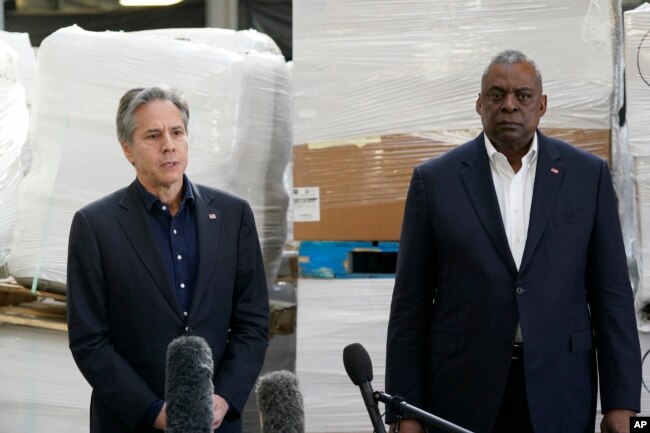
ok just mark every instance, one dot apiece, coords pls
pixel 178 241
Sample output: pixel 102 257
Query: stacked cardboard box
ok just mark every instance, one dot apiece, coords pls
pixel 362 185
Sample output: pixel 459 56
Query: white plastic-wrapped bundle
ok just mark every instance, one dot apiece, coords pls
pixel 264 142
pixel 13 131
pixel 26 59
pixel 637 80
pixel 263 134
pixel 364 70
pixel 331 315
pixel 76 155
pixel 240 41
pixel 42 389
pixel 27 75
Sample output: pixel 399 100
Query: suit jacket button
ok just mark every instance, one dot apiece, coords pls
pixel 187 329
pixel 519 290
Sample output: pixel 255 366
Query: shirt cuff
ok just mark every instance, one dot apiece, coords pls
pixel 149 417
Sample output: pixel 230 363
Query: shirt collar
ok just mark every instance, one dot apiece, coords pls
pixel 149 200
pixel 493 152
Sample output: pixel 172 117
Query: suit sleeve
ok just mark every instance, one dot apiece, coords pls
pixel 612 306
pixel 412 301
pixel 113 380
pixel 248 336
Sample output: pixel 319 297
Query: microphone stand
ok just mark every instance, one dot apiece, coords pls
pixel 404 410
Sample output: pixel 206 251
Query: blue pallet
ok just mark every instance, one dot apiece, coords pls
pixel 336 259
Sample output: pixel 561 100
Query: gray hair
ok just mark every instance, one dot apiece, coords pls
pixel 135 98
pixel 512 57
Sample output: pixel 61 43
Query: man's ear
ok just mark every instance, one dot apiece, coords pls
pixel 542 106
pixel 478 104
pixel 128 153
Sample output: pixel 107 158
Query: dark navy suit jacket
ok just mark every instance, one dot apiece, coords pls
pixel 123 311
pixel 458 294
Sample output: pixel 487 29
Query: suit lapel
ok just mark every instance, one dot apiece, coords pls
pixel 138 230
pixel 479 185
pixel 548 178
pixel 208 226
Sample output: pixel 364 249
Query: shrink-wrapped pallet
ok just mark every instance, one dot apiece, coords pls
pixel 379 89
pixel 13 131
pixel 637 80
pixel 42 389
pixel 242 41
pixel 331 315
pixel 77 158
pixel 26 59
pixel 27 76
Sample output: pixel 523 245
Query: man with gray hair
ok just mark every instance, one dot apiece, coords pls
pixel 512 295
pixel 158 259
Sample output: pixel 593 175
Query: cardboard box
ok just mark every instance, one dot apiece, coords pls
pixel 362 184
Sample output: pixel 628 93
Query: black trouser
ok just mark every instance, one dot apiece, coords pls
pixel 514 416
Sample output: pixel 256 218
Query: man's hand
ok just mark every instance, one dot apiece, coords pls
pixel 161 420
pixel 616 421
pixel 408 426
pixel 219 410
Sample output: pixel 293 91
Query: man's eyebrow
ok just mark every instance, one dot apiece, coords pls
pixel 518 89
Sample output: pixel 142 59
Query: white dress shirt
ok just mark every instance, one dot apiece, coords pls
pixel 515 195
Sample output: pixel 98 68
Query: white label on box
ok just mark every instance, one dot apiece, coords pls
pixel 306 204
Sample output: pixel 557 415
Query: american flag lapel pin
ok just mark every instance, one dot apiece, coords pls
pixel 554 170
pixel 212 216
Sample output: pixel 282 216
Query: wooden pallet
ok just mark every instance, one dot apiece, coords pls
pixel 40 314
pixel 11 287
pixel 41 309
pixel 283 318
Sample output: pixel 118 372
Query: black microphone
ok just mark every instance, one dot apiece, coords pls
pixel 359 367
pixel 188 386
pixel 280 403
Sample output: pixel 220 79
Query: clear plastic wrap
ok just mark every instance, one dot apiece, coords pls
pixel 13 132
pixel 27 74
pixel 26 59
pixel 42 389
pixel 637 153
pixel 239 103
pixel 331 315
pixel 362 70
pixel 364 75
pixel 242 41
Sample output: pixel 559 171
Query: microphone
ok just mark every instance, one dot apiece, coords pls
pixel 188 386
pixel 359 367
pixel 280 403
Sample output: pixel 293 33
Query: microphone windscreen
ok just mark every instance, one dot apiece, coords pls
pixel 188 386
pixel 280 403
pixel 357 363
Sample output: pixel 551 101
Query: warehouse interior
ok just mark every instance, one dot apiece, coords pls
pixel 314 112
